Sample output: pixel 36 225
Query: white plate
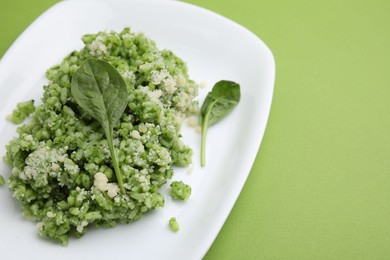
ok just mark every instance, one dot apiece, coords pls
pixel 214 48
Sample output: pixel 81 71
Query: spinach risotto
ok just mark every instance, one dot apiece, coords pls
pixel 62 171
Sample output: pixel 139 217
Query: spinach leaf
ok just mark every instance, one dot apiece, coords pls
pixel 222 99
pixel 101 92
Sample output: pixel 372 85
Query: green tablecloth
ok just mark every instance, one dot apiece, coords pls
pixel 320 186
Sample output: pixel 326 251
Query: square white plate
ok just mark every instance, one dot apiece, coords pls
pixel 214 48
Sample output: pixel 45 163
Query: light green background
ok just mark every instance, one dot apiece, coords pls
pixel 320 186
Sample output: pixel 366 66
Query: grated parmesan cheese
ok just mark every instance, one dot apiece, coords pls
pixel 101 183
pixel 135 134
pixel 170 85
pixel 193 122
pixel 50 214
pixel 203 84
pixel 181 80
pixel 97 47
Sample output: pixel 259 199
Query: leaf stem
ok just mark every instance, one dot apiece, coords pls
pixel 204 133
pixel 203 144
pixel 118 173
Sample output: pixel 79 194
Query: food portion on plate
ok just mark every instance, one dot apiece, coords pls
pixel 63 171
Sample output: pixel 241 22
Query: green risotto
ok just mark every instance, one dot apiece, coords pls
pixel 62 172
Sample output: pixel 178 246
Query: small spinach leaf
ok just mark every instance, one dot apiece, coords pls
pixel 223 98
pixel 101 92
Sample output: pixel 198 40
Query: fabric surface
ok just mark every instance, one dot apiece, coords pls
pixel 320 186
